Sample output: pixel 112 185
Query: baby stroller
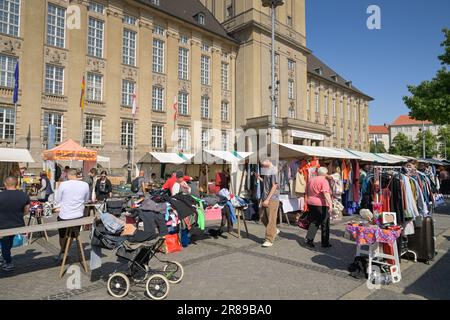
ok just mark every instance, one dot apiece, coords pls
pixel 137 257
pixel 134 255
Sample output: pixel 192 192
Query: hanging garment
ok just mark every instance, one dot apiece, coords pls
pixel 184 205
pixel 411 207
pixel 356 181
pixel 200 213
pixel 337 186
pixel 300 183
pixel 221 180
pixel 345 171
pixel 293 168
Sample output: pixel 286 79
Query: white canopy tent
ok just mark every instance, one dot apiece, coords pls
pixel 175 161
pixel 292 151
pixel 168 158
pixel 393 159
pixel 367 156
pixel 230 157
pixel 236 159
pixel 10 159
pixel 15 155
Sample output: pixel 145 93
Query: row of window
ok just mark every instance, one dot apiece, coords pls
pixel 93 131
pixel 56 22
pixel 326 107
pixel 54 84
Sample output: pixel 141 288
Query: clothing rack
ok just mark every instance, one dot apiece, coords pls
pixel 402 253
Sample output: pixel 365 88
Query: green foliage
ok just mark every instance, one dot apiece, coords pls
pixel 430 100
pixel 379 148
pixel 444 140
pixel 402 146
pixel 430 145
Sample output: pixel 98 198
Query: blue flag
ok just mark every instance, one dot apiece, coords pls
pixel 16 84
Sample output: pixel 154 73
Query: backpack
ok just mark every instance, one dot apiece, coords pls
pixel 135 185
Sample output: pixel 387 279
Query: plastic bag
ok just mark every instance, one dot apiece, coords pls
pixel 171 243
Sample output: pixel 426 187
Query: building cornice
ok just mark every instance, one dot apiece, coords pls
pixel 279 37
pixel 336 84
pixel 286 123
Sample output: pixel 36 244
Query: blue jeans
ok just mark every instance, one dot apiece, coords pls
pixel 7 243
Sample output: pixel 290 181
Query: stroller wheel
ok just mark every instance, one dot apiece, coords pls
pixel 157 287
pixel 118 285
pixel 173 271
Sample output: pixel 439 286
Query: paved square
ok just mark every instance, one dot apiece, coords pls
pixel 231 268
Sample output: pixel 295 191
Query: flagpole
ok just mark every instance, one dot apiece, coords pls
pixel 133 112
pixel 132 146
pixel 82 106
pixel 15 124
pixel 15 99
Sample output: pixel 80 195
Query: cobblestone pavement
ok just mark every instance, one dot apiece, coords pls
pixel 232 268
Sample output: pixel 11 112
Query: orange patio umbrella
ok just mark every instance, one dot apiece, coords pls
pixel 70 150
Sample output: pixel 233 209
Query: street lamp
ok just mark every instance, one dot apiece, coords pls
pixel 273 4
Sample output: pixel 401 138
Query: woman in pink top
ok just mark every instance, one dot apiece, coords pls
pixel 320 205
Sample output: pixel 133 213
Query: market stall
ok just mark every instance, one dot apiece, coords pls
pixel 163 163
pixel 10 160
pixel 68 151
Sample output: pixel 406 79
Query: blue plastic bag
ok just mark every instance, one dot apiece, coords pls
pixel 185 238
pixel 19 241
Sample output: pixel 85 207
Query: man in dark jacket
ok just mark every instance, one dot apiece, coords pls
pixel 14 204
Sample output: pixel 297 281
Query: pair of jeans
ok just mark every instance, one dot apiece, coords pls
pixel 269 219
pixel 319 216
pixel 7 243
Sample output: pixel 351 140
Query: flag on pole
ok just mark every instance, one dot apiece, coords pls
pixel 175 108
pixel 16 84
pixel 83 94
pixel 133 97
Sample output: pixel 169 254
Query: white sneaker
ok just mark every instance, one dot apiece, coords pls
pixel 278 231
pixel 267 244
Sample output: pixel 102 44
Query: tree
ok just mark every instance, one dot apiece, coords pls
pixel 379 148
pixel 402 146
pixel 430 145
pixel 444 141
pixel 430 100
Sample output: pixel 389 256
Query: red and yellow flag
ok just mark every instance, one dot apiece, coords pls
pixel 83 94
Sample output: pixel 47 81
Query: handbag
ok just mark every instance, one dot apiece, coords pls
pixel 304 221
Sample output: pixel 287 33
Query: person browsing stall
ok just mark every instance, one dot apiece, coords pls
pixel 14 204
pixel 320 207
pixel 103 187
pixel 270 201
pixel 180 185
pixel 91 180
pixel 46 188
pixel 71 196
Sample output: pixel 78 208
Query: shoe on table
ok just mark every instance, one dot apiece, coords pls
pixel 8 266
pixel 267 244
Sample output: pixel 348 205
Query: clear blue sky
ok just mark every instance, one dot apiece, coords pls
pixel 383 62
